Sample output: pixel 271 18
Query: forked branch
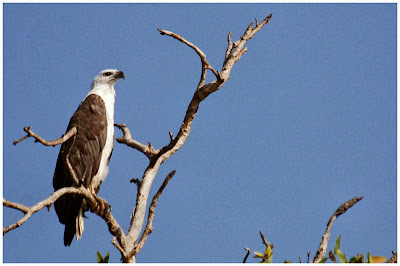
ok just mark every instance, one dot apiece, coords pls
pixel 149 227
pixel 97 206
pixel 158 156
pixel 126 139
pixel 53 143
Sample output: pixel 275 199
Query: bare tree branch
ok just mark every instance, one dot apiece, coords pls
pixel 53 143
pixel 149 227
pixel 157 157
pixel 264 239
pixel 97 205
pixel 247 255
pixel 117 246
pixel 202 55
pixel 266 243
pixel 393 259
pixel 325 238
pixel 147 150
pixel 16 206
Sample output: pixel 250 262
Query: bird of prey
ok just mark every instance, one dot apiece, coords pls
pixel 83 159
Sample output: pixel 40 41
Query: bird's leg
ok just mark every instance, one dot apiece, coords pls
pixel 102 203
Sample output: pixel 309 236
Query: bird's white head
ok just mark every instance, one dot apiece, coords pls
pixel 108 77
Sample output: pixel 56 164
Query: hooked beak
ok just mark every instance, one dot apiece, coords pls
pixel 120 75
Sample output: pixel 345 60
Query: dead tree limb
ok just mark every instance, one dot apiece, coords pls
pixel 97 206
pixel 149 227
pixel 247 255
pixel 53 143
pixel 393 259
pixel 325 238
pixel 157 156
pixel 147 150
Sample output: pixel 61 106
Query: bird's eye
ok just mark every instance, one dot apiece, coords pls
pixel 107 74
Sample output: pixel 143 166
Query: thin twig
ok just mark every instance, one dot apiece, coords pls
pixel 230 46
pixel 191 45
pixel 247 255
pixel 235 50
pixel 147 150
pixel 16 206
pixel 117 246
pixel 264 239
pixel 53 143
pixel 21 139
pixel 149 227
pixel 325 238
pixel 393 259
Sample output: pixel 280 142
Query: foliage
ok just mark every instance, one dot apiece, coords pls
pixel 336 256
pixel 355 259
pixel 100 258
pixel 267 256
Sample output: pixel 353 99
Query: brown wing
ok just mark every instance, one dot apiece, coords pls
pixel 83 151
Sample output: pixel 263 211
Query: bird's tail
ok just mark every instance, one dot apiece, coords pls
pixel 69 233
pixel 76 227
pixel 80 224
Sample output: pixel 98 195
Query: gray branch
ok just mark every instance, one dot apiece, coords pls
pixel 53 143
pixel 157 156
pixel 149 227
pixel 393 259
pixel 97 206
pixel 325 238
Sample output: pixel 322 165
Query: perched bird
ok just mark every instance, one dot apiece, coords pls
pixel 83 159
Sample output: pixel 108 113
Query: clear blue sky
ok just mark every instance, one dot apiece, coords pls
pixel 306 122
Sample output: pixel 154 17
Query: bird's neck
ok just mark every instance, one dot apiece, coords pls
pixel 107 93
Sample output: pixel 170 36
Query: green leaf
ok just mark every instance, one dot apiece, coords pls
pixel 379 259
pixel 106 258
pixel 357 259
pixel 337 245
pixel 341 256
pixel 323 260
pixel 99 257
pixel 369 258
pixel 258 255
pixel 331 256
pixel 268 253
